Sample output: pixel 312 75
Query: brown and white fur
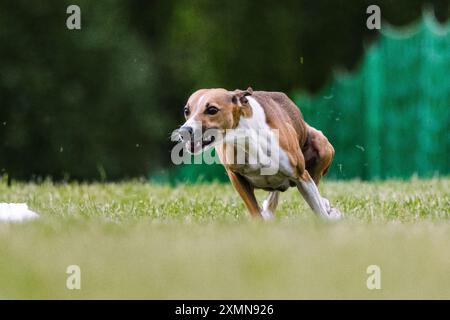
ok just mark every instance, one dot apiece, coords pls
pixel 305 153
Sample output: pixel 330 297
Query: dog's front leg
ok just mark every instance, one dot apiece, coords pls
pixel 310 193
pixel 246 192
pixel 270 204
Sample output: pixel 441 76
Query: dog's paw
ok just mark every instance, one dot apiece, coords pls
pixel 334 214
pixel 265 212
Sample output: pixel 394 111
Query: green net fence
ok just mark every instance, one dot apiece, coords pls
pixel 389 117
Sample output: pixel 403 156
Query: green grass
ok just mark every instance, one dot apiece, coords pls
pixel 136 240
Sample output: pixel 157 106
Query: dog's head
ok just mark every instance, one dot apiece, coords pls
pixel 209 112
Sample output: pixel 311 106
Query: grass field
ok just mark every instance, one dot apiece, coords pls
pixel 136 240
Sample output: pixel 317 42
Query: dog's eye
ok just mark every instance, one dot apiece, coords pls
pixel 211 110
pixel 186 111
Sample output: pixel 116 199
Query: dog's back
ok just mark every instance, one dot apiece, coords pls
pixel 280 110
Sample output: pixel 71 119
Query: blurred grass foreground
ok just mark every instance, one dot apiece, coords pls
pixel 388 118
pixel 137 240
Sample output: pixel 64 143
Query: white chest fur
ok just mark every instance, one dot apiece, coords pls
pixel 259 157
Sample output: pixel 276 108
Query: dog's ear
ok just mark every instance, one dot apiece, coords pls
pixel 239 96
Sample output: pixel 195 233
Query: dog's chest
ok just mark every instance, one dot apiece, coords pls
pixel 269 182
pixel 258 155
pixel 263 176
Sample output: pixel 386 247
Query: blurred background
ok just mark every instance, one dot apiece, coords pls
pixel 100 103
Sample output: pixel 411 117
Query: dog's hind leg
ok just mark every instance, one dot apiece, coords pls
pixel 318 153
pixel 310 193
pixel 270 204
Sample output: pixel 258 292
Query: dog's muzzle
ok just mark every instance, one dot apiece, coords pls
pixel 196 141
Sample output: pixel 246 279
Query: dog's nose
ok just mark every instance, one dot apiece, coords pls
pixel 186 131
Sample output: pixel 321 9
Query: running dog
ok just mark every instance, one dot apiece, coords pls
pixel 300 153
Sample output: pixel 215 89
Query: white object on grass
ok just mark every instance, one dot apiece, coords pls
pixel 16 212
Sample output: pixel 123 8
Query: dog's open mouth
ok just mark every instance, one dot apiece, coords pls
pixel 196 146
pixel 207 140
